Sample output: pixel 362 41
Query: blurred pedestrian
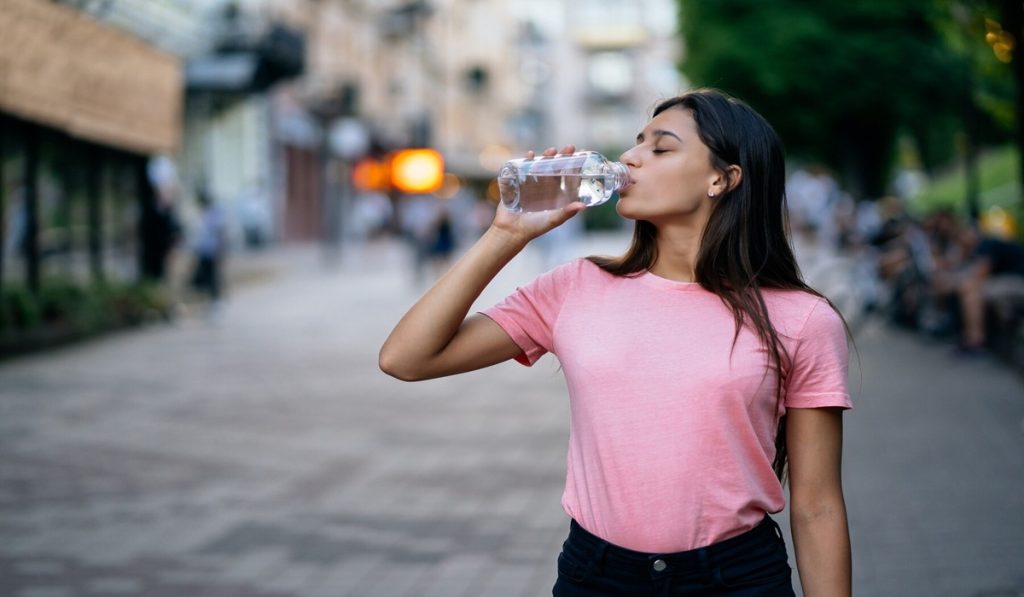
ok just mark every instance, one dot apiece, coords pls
pixel 210 251
pixel 905 263
pixel 812 197
pixel 441 243
pixel 15 240
pixel 428 228
pixel 698 363
pixel 161 228
pixel 371 215
pixel 254 214
pixel 557 246
pixel 993 275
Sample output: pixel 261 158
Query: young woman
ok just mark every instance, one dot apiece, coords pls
pixel 698 364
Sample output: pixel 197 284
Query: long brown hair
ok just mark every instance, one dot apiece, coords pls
pixel 745 245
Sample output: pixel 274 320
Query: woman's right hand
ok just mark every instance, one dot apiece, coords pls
pixel 522 227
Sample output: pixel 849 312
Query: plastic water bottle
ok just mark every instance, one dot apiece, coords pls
pixel 544 183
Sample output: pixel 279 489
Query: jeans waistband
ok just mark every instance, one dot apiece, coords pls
pixel 693 559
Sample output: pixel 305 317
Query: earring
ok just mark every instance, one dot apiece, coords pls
pixel 711 195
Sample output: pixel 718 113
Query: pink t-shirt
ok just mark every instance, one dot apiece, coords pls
pixel 671 441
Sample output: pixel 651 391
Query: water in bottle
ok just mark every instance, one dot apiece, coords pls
pixel 544 183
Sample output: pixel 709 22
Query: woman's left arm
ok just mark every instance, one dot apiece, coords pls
pixel 821 536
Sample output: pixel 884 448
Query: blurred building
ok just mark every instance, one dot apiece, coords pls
pixel 232 54
pixel 484 80
pixel 230 146
pixel 82 106
pixel 268 104
pixel 479 80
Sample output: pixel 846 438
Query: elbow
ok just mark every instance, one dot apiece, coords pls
pixel 394 366
pixel 811 513
pixel 829 506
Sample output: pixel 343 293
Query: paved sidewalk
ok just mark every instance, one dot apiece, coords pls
pixel 263 454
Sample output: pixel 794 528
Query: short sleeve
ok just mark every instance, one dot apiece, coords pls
pixel 818 375
pixel 528 315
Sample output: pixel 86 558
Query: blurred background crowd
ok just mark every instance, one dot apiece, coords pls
pixel 144 141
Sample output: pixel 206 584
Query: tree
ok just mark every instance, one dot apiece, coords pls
pixel 1011 49
pixel 838 80
pixel 988 106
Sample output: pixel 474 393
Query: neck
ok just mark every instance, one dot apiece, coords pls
pixel 678 246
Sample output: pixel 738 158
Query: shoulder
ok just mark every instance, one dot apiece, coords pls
pixel 796 313
pixel 565 273
pixel 556 281
pixel 579 269
pixel 577 276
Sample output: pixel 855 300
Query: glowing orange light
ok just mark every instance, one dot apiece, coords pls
pixel 371 175
pixel 417 170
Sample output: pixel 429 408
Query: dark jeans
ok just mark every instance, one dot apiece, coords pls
pixel 754 563
pixel 206 276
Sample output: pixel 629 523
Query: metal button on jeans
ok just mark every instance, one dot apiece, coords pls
pixel 660 565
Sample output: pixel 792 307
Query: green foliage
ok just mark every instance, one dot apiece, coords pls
pixel 18 309
pixel 839 80
pixel 997 170
pixel 63 309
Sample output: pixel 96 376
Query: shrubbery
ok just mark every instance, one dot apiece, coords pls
pixel 62 311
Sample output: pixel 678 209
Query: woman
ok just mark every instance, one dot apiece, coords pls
pixel 681 358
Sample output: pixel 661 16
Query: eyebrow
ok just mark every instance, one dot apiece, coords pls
pixel 659 133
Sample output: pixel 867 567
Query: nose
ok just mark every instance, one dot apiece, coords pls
pixel 629 158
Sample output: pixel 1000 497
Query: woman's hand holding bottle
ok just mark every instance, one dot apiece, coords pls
pixel 436 338
pixel 522 227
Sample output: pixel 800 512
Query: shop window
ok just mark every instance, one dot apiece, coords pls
pixel 14 209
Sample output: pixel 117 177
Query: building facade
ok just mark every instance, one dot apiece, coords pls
pixel 465 76
pixel 482 81
pixel 82 105
pixel 246 118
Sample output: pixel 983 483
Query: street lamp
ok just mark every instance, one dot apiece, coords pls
pixel 417 170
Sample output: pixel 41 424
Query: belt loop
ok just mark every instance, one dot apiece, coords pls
pixel 702 557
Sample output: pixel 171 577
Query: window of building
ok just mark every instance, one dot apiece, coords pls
pixel 610 74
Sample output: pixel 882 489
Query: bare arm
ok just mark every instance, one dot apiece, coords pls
pixel 435 338
pixel 821 536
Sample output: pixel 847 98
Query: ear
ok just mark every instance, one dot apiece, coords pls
pixel 726 181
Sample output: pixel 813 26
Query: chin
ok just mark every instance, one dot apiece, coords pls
pixel 631 210
pixel 622 208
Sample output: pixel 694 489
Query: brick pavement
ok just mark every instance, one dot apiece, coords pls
pixel 263 454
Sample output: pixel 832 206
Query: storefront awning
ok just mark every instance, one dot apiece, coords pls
pixel 61 69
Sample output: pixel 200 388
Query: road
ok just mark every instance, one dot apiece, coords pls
pixel 263 454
